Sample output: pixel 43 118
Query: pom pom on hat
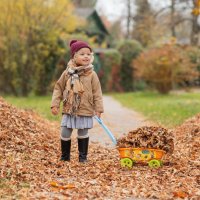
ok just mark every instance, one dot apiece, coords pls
pixel 72 42
pixel 76 45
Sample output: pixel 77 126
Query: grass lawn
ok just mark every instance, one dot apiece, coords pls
pixel 167 110
pixel 40 104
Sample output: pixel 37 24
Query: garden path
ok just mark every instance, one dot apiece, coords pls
pixel 119 119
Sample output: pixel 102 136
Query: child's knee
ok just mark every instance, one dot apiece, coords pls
pixel 83 133
pixel 66 133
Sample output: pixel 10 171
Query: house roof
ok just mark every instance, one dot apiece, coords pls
pixel 87 12
pixel 84 12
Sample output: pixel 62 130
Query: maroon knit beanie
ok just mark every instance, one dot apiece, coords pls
pixel 76 45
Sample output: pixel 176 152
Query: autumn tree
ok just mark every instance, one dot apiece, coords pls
pixel 144 23
pixel 193 6
pixel 29 42
pixel 164 67
pixel 195 25
pixel 182 17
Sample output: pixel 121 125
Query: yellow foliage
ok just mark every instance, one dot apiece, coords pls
pixel 196 11
pixel 30 45
pixel 22 15
pixel 104 44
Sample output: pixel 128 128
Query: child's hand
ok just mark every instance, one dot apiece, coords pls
pixel 54 110
pixel 98 114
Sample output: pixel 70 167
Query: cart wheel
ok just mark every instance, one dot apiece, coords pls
pixel 154 163
pixel 126 162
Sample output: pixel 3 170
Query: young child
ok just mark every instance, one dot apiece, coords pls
pixel 80 90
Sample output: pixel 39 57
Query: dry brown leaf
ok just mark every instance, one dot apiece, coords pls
pixel 148 137
pixel 180 194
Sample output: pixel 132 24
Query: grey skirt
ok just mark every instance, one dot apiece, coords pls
pixel 77 122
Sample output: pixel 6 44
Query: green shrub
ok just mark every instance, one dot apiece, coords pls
pixel 140 85
pixel 49 53
pixel 110 71
pixel 165 66
pixel 129 50
pixel 194 56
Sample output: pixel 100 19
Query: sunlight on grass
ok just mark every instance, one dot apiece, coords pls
pixel 40 104
pixel 167 110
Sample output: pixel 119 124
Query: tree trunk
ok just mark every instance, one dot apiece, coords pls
pixel 128 19
pixel 194 37
pixel 173 32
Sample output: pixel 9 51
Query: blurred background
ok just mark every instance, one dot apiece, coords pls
pixel 139 45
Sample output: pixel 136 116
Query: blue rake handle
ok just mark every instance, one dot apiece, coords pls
pixel 106 130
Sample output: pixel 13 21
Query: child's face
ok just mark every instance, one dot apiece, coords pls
pixel 83 57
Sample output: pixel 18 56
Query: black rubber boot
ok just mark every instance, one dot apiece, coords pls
pixel 83 149
pixel 65 148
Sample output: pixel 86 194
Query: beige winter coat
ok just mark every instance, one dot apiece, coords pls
pixel 91 100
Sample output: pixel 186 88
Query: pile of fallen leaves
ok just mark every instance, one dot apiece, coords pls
pixel 27 143
pixel 30 166
pixel 188 141
pixel 187 151
pixel 148 137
